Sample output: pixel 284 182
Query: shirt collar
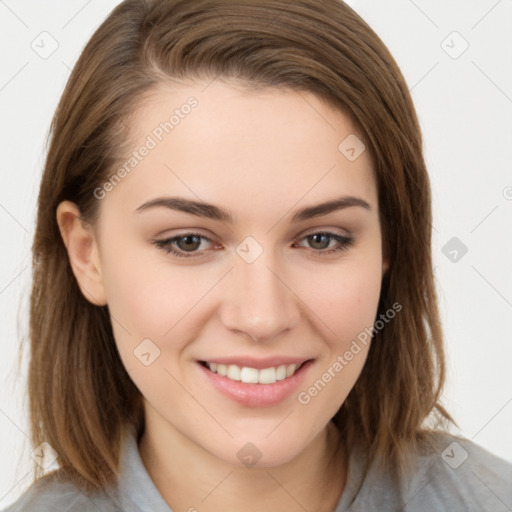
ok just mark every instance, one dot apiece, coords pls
pixel 136 492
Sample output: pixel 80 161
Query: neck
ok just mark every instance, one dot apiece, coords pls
pixel 189 478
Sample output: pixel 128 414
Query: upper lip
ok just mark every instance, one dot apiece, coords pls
pixel 258 364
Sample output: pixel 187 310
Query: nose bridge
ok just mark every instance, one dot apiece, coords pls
pixel 258 302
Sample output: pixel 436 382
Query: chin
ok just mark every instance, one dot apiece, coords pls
pixel 258 451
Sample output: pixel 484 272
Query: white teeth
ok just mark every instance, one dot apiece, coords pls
pixel 291 370
pixel 249 375
pixel 281 372
pixel 234 372
pixel 267 376
pixel 253 375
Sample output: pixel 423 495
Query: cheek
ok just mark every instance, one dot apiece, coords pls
pixel 354 305
pixel 345 297
pixel 151 299
pixel 147 294
pixel 148 307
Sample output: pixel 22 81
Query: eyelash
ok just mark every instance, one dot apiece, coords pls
pixel 167 244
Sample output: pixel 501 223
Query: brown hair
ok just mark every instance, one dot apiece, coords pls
pixel 80 394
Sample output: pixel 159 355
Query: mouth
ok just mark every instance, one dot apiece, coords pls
pixel 249 375
pixel 255 383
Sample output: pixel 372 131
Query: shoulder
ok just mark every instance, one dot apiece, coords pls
pixel 460 476
pixel 53 492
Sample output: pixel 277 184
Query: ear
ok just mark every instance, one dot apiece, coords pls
pixel 82 248
pixel 385 266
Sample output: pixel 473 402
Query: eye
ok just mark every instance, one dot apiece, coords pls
pixel 182 246
pixel 188 244
pixel 320 242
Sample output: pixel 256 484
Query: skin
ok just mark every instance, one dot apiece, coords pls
pixel 261 155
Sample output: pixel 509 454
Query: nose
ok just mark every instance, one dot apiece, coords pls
pixel 258 299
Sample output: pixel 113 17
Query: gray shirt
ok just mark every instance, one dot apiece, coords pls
pixel 464 477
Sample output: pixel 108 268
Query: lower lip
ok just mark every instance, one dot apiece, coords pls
pixel 257 395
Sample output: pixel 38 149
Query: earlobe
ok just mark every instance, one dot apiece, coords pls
pixel 82 249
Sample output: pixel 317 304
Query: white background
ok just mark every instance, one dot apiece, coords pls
pixel 465 109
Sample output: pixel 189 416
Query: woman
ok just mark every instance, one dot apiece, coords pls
pixel 233 303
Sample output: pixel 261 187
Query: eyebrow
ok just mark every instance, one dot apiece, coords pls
pixel 210 211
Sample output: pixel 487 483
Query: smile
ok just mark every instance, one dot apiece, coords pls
pixel 253 382
pixel 250 375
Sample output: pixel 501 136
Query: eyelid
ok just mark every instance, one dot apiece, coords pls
pixel 331 230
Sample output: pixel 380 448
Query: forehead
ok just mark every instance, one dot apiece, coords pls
pixel 245 148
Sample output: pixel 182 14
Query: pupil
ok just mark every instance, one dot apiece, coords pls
pixel 186 242
pixel 316 240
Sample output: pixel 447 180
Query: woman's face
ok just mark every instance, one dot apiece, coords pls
pixel 264 277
